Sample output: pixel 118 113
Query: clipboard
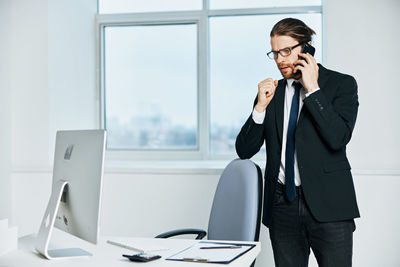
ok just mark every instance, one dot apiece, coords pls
pixel 212 252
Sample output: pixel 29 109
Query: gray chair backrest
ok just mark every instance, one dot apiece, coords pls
pixel 236 209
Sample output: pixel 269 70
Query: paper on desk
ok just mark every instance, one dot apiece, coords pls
pixel 211 255
pixel 142 246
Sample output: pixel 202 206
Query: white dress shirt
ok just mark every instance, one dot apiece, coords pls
pixel 259 119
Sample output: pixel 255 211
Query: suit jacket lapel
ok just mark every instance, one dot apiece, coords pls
pixel 279 102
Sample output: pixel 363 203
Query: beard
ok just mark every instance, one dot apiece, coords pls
pixel 287 71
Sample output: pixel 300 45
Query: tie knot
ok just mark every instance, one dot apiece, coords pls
pixel 297 86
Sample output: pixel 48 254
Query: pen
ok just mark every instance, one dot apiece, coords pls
pixel 195 259
pixel 125 246
pixel 227 247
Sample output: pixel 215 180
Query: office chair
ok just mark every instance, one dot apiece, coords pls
pixel 236 209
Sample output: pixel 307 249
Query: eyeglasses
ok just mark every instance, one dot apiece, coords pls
pixel 284 52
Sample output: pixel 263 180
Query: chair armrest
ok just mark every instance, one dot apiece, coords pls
pixel 200 233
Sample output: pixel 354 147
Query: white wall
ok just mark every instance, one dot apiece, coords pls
pixel 362 39
pixel 28 82
pixel 5 112
pixel 73 97
pixel 50 85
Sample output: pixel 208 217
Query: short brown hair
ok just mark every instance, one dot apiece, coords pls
pixel 294 28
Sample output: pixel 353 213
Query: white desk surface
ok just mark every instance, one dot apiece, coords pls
pixel 105 254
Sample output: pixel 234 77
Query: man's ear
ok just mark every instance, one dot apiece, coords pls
pixel 309 42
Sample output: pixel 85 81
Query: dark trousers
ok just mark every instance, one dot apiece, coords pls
pixel 294 231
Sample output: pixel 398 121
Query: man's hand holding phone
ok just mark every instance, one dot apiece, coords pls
pixel 266 91
pixel 309 71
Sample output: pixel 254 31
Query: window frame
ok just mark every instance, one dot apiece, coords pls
pixel 201 19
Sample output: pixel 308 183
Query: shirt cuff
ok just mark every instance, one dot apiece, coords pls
pixel 258 117
pixel 308 94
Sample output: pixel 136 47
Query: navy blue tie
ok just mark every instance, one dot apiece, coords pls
pixel 289 154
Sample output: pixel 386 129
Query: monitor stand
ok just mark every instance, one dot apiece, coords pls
pixel 47 225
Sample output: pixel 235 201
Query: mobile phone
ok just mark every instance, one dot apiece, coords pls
pixel 142 257
pixel 307 48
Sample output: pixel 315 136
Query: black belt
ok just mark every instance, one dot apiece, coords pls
pixel 281 187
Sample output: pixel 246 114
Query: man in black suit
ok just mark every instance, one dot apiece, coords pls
pixel 306 121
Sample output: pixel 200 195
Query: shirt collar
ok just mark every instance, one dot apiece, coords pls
pixel 291 81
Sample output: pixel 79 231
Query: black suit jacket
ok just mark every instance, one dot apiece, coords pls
pixel 323 130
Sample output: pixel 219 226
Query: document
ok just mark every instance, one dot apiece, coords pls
pixel 212 252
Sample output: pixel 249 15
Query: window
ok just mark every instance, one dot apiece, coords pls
pixel 237 64
pixel 151 82
pixel 179 80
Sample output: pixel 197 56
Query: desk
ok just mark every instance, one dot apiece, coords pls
pixel 105 254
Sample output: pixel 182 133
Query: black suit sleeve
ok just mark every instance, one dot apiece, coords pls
pixel 250 138
pixel 335 120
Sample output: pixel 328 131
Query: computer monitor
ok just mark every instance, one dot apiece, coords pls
pixel 74 204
